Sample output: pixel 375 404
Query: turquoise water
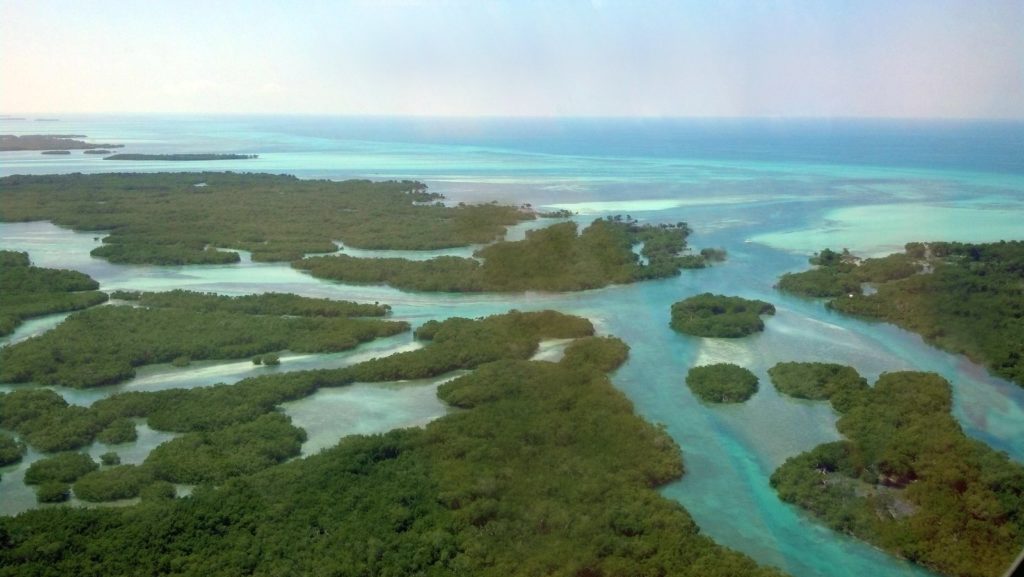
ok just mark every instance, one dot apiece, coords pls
pixel 768 193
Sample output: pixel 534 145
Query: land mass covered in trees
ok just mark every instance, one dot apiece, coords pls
pixel 906 478
pixel 12 142
pixel 545 470
pixel 964 298
pixel 104 345
pixel 722 383
pixel 182 218
pixel 710 315
pixel 556 258
pixel 27 291
pixel 181 157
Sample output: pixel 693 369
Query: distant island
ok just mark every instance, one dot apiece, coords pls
pixel 964 298
pixel 13 142
pixel 96 151
pixel 182 157
pixel 275 217
pixel 710 315
pixel 56 152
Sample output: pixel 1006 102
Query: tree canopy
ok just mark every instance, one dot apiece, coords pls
pixel 710 315
pixel 103 345
pixel 169 219
pixel 967 299
pixel 545 470
pixel 906 478
pixel 556 258
pixel 722 383
pixel 27 291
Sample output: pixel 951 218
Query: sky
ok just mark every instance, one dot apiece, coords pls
pixel 729 58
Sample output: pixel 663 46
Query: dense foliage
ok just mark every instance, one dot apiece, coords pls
pixel 47 422
pixel 819 381
pixel 167 219
pixel 722 383
pixel 908 480
pixel 27 291
pixel 62 467
pixel 841 274
pixel 104 345
pixel 255 304
pixel 971 301
pixel 556 258
pixel 709 315
pixel 229 452
pixel 545 471
pixel 112 483
pixel 11 450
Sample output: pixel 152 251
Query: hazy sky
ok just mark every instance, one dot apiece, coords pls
pixel 466 58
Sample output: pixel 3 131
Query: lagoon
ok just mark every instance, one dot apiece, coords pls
pixel 768 207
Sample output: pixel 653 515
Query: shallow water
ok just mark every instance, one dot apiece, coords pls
pixel 770 195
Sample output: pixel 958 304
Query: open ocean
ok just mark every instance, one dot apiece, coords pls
pixel 770 192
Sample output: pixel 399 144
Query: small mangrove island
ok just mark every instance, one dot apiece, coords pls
pixel 964 298
pixel 556 258
pixel 722 383
pixel 181 157
pixel 48 142
pixel 906 478
pixel 711 315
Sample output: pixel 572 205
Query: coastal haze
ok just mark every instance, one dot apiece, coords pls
pixel 773 130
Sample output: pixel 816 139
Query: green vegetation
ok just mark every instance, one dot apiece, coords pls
pixel 53 492
pixel 908 480
pixel 11 142
pixel 27 291
pixel 112 484
pixel 841 274
pixel 458 343
pixel 104 345
pixel 555 258
pixel 819 382
pixel 118 431
pixel 11 450
pixel 545 471
pixel 722 383
pixel 971 300
pixel 62 467
pixel 181 157
pixel 229 452
pixel 166 219
pixel 47 422
pixel 709 315
pixel 110 458
pixel 279 304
